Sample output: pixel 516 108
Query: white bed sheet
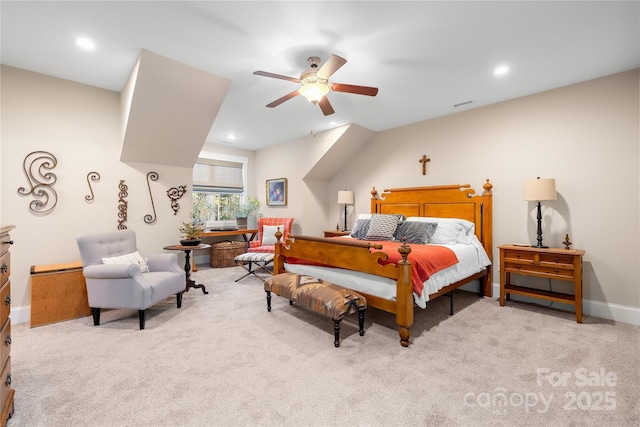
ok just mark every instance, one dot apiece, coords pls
pixel 472 258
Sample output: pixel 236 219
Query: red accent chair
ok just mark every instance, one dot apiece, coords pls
pixel 267 245
pixel 261 252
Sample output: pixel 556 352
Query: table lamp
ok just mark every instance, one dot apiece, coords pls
pixel 345 198
pixel 537 190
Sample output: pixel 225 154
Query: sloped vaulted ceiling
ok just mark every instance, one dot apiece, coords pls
pixel 168 110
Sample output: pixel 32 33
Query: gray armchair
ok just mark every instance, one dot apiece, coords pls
pixel 123 280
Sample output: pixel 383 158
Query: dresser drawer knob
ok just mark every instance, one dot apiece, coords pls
pixel 7 300
pixel 555 270
pixel 5 268
pixel 517 265
pixel 7 340
pixel 555 259
pixel 8 380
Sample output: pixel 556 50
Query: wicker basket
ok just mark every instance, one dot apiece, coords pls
pixel 223 253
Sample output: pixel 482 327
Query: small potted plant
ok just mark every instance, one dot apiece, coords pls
pixel 245 210
pixel 191 232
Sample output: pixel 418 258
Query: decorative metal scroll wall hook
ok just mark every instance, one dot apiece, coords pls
pixel 122 205
pixel 174 194
pixel 148 218
pixel 35 166
pixel 95 177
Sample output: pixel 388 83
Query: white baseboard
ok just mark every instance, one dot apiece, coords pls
pixel 615 312
pixel 20 314
pixel 618 313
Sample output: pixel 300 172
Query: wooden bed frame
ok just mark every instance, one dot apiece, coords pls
pixel 447 201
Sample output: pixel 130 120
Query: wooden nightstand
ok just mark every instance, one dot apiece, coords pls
pixel 336 233
pixel 551 263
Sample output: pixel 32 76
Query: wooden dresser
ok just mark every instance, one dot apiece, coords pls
pixel 6 392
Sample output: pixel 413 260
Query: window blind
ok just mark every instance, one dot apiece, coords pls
pixel 217 176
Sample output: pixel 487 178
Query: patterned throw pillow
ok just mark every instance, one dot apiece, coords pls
pixel 382 227
pixel 361 228
pixel 415 232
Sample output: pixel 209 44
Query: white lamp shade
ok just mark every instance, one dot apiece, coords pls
pixel 539 189
pixel 345 197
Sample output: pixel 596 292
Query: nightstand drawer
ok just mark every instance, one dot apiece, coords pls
pixel 514 255
pixel 557 259
pixel 556 271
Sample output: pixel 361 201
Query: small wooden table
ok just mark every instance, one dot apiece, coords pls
pixel 549 263
pixel 187 265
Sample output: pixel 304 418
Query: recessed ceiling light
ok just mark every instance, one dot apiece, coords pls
pixel 501 70
pixel 85 43
pixel 231 137
pixel 333 123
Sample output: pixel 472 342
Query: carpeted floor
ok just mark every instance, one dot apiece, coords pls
pixel 223 360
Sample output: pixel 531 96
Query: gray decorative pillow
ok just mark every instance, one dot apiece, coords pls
pixel 382 227
pixel 415 232
pixel 361 228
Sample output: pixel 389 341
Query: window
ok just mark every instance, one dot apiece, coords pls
pixel 218 187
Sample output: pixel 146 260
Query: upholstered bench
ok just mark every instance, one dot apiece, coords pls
pixel 260 259
pixel 323 297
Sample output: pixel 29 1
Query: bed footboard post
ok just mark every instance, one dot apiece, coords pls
pixel 486 283
pixel 404 296
pixel 278 259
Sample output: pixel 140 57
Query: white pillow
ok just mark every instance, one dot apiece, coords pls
pixel 449 230
pixel 132 258
pixel 269 234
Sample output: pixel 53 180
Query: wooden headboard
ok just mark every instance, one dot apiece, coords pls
pixel 443 201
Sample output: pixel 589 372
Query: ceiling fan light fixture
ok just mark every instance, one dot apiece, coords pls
pixel 314 91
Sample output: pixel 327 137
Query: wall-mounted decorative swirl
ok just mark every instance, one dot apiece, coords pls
pixel 175 194
pixel 95 177
pixel 40 181
pixel 148 218
pixel 122 205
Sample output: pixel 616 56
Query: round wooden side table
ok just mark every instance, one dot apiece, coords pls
pixel 187 264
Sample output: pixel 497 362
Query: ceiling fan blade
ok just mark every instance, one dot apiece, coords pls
pixel 284 98
pixel 358 90
pixel 325 106
pixel 332 65
pixel 276 76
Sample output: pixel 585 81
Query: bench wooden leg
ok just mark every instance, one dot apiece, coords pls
pixel 336 332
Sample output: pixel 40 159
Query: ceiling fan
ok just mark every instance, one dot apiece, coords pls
pixel 314 83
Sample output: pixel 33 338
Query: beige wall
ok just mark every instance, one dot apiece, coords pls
pixel 586 136
pixel 81 126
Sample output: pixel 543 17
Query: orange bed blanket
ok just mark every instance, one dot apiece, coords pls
pixel 425 260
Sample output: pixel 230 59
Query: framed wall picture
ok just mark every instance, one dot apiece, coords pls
pixel 277 192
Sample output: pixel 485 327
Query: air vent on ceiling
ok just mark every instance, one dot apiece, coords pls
pixel 462 104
